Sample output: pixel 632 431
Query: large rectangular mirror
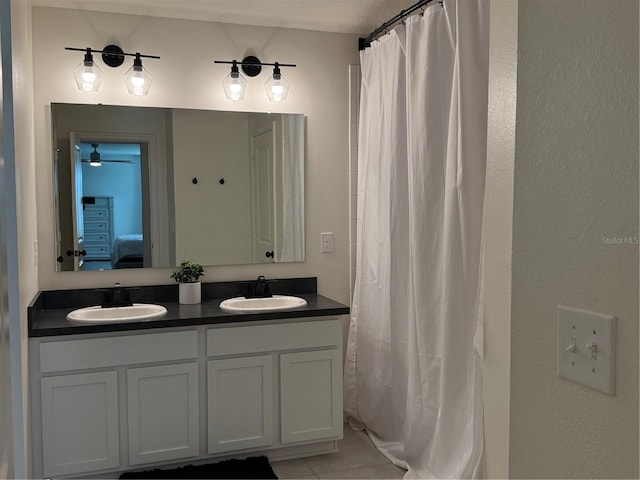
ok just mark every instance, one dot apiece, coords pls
pixel 141 187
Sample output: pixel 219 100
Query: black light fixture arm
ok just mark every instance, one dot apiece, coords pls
pixel 252 66
pixel 91 50
pixel 112 52
pixel 263 64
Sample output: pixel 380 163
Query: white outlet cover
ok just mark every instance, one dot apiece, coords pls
pixel 590 366
pixel 326 242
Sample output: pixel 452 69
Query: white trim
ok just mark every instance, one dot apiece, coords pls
pixel 497 235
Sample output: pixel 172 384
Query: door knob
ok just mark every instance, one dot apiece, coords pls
pixel 269 254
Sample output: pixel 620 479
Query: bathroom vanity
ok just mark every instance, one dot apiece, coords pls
pixel 198 385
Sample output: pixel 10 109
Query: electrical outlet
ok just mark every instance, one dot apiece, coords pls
pixel 326 242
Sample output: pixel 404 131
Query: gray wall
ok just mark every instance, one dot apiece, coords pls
pixel 576 182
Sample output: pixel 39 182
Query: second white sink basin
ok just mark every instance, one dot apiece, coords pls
pixel 268 304
pixel 137 312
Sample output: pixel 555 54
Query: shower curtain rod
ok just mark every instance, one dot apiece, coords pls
pixel 384 28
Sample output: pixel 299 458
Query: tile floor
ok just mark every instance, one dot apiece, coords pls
pixel 356 458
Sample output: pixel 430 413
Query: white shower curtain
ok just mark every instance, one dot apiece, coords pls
pixel 413 372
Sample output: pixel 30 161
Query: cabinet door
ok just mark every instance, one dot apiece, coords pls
pixel 310 395
pixel 80 423
pixel 240 403
pixel 162 413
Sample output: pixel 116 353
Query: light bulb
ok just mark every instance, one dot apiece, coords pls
pixel 235 87
pixel 137 80
pixel 277 88
pixel 234 84
pixel 87 74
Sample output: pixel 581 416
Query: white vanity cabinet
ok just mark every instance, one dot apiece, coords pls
pixel 310 395
pixel 240 403
pixel 80 422
pixel 117 401
pixel 92 395
pixel 308 359
pixel 162 406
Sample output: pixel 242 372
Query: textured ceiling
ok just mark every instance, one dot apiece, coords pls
pixel 343 16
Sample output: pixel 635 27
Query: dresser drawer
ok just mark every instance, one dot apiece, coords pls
pixel 95 227
pixel 97 213
pixel 102 238
pixel 96 251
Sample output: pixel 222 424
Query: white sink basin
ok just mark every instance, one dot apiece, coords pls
pixel 138 312
pixel 268 304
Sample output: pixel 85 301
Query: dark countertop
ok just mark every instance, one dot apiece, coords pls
pixel 47 314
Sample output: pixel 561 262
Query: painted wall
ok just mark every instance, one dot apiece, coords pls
pixel 576 184
pixel 186 77
pixel 213 224
pixel 20 193
pixel 122 182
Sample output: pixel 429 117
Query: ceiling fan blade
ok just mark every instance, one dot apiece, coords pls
pixel 110 161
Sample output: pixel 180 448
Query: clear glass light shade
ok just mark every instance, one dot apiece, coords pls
pixel 277 88
pixel 235 86
pixel 88 76
pixel 137 80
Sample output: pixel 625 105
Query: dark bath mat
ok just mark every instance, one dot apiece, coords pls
pixel 252 467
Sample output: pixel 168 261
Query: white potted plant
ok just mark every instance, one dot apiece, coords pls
pixel 189 287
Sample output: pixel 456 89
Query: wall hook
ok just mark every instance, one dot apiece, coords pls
pixel 195 180
pixel 221 181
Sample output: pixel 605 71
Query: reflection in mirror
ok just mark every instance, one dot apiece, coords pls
pixel 140 187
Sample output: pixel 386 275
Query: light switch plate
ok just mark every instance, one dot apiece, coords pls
pixel 586 348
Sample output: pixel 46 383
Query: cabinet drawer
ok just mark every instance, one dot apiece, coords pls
pixel 97 213
pixel 115 351
pixel 265 338
pixel 95 251
pixel 96 237
pixel 98 227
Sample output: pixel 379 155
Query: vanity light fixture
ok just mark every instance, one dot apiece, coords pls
pixel 137 79
pixel 88 76
pixel 276 86
pixel 235 85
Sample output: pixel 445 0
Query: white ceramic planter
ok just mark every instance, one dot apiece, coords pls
pixel 189 293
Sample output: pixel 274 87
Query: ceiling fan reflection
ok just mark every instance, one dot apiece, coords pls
pixel 95 161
